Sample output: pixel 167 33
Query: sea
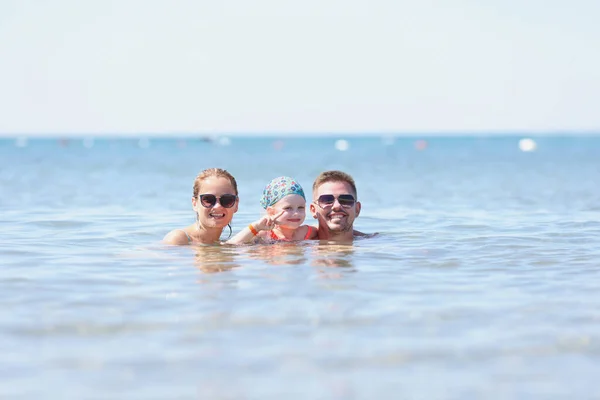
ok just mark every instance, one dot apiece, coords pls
pixel 483 281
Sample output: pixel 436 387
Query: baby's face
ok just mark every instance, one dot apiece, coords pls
pixel 294 208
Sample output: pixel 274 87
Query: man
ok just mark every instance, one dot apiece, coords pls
pixel 335 206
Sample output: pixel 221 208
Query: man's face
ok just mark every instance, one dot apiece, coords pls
pixel 338 217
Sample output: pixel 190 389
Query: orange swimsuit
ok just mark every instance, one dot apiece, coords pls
pixel 308 232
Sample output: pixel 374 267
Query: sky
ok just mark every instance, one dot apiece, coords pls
pixel 277 66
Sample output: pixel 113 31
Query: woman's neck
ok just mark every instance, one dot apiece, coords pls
pixel 207 235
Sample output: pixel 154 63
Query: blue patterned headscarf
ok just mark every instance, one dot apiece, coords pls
pixel 278 188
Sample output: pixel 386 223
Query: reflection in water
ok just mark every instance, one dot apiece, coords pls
pixel 280 253
pixel 211 259
pixel 333 256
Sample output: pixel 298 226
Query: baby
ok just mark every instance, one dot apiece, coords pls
pixel 285 203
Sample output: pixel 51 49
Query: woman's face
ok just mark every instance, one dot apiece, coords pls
pixel 213 214
pixel 294 211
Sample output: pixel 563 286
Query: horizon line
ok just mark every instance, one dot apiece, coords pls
pixel 296 134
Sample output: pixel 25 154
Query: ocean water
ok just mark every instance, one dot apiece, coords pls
pixel 484 281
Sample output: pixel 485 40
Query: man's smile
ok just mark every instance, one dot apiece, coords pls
pixel 337 216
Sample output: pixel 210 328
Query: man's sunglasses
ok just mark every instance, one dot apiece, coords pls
pixel 209 200
pixel 327 200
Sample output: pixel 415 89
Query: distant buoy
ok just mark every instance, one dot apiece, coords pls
pixel 342 145
pixel 278 144
pixel 21 142
pixel 421 144
pixel 88 142
pixel 144 143
pixel 387 140
pixel 527 144
pixel 224 141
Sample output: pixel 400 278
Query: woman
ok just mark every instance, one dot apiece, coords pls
pixel 215 201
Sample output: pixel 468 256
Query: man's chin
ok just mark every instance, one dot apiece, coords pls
pixel 333 227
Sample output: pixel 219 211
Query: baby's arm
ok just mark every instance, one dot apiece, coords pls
pixel 248 234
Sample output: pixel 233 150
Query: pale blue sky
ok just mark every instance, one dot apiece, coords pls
pixel 72 66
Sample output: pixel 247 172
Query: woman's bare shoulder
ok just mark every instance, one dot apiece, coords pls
pixel 177 237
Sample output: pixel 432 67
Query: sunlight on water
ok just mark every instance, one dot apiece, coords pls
pixel 483 281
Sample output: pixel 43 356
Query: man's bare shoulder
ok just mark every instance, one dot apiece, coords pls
pixel 364 235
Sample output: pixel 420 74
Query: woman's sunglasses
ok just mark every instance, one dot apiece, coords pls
pixel 209 200
pixel 327 200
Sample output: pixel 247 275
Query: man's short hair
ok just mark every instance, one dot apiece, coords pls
pixel 334 176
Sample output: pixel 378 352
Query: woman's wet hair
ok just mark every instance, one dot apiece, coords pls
pixel 214 173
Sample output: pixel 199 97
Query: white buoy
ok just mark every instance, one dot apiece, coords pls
pixel 88 142
pixel 527 144
pixel 224 141
pixel 387 140
pixel 144 143
pixel 21 142
pixel 342 145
